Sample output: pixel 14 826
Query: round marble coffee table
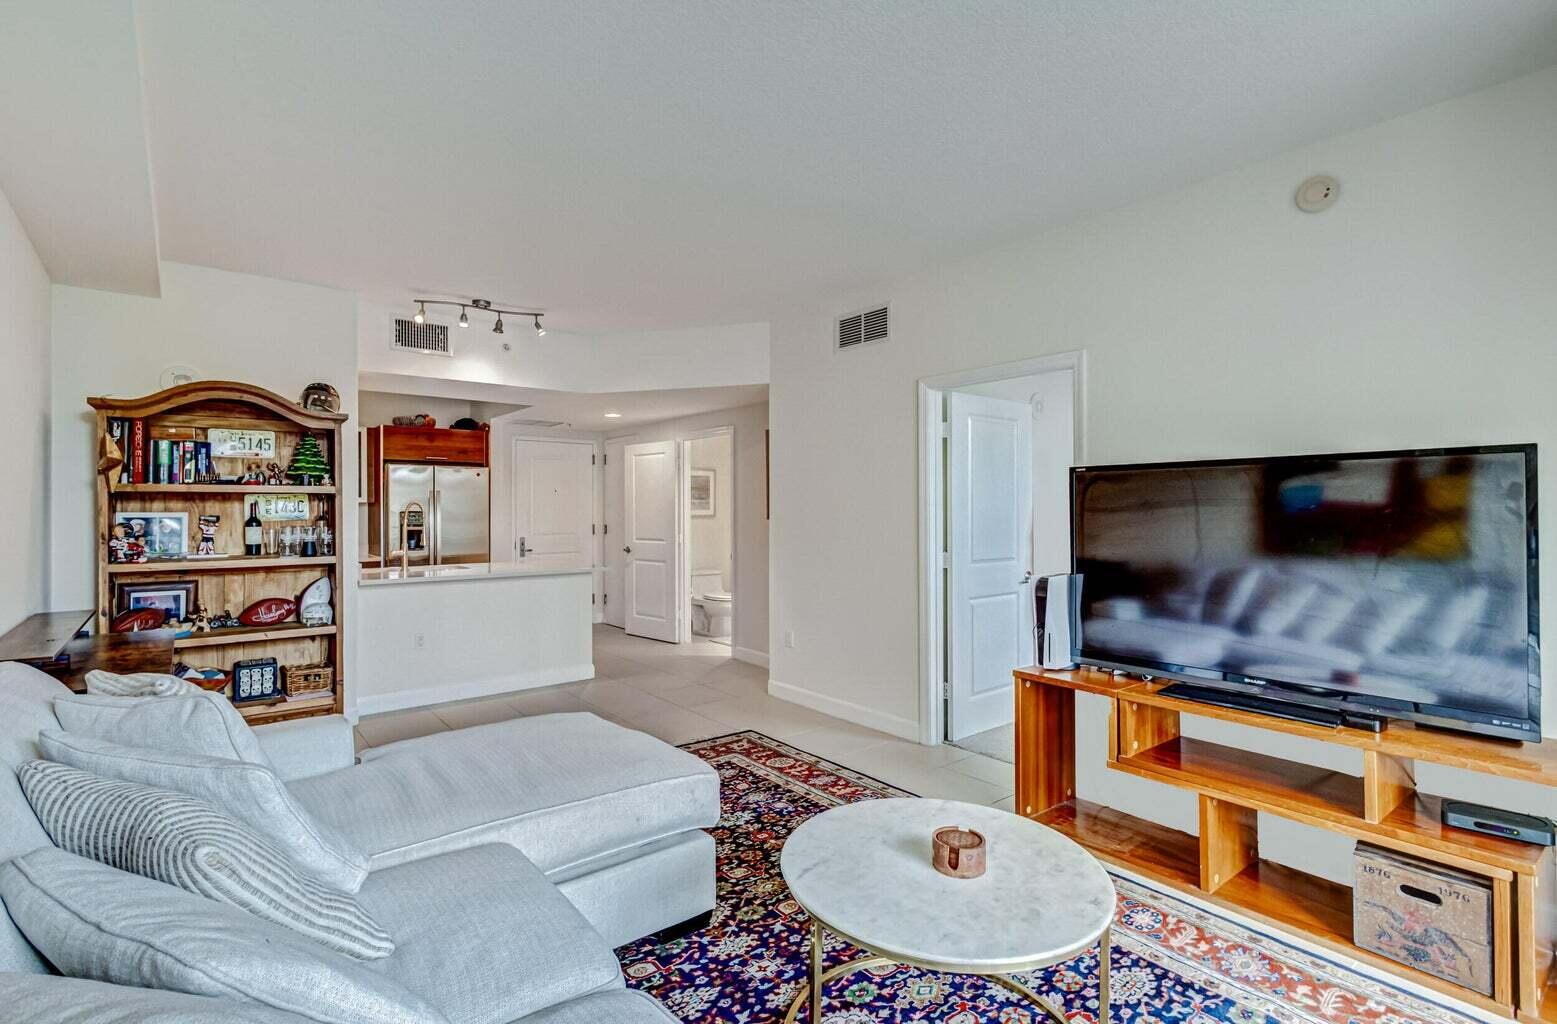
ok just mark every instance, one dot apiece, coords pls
pixel 863 872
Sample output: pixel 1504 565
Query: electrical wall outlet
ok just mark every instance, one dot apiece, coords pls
pixel 419 640
pixel 789 638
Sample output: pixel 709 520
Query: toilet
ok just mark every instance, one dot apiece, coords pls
pixel 712 605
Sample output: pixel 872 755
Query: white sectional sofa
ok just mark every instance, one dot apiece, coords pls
pixel 505 860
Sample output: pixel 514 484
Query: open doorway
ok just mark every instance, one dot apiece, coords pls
pixel 709 471
pixel 997 447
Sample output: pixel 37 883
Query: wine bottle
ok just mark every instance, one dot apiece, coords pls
pixel 251 530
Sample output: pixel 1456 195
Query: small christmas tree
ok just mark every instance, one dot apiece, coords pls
pixel 308 467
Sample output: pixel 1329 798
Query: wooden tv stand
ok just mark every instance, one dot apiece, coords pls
pixel 1222 864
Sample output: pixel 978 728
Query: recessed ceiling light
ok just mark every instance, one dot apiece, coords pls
pixel 613 415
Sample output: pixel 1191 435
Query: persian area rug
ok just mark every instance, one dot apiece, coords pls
pixel 1172 961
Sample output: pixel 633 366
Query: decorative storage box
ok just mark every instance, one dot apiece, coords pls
pixel 1424 915
pixel 308 680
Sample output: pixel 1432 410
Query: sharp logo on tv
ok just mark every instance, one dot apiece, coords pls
pixel 1399 584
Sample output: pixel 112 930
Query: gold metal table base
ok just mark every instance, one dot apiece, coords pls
pixel 819 979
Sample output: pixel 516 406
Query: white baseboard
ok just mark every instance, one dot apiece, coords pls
pixel 859 714
pixel 424 696
pixel 751 657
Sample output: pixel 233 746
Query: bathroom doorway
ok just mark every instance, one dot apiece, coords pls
pixel 708 492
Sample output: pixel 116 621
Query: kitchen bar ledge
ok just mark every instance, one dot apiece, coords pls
pixel 372 577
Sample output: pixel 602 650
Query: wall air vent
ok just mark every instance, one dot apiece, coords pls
pixel 863 327
pixel 431 339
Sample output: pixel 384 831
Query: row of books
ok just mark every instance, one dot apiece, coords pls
pixel 158 460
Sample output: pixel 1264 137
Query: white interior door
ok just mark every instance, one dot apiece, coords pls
pixel 614 612
pixel 553 504
pixel 990 475
pixel 650 585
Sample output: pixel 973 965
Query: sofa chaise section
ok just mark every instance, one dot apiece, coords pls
pixel 613 817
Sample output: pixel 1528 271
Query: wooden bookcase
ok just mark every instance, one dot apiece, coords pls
pixel 231 584
pixel 1222 865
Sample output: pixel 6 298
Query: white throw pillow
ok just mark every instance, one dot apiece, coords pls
pixel 249 792
pixel 96 922
pixel 174 838
pixel 102 683
pixel 187 723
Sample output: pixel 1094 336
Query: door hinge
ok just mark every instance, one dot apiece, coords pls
pixel 591 529
pixel 591 598
pixel 605 599
pixel 605 458
pixel 946 689
pixel 605 528
pixel 591 458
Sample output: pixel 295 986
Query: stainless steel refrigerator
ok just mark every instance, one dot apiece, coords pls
pixel 455 509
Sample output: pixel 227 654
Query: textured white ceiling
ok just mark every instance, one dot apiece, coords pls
pixel 73 159
pixel 672 162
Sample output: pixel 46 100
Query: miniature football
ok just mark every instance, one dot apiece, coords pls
pixel 268 611
pixel 137 619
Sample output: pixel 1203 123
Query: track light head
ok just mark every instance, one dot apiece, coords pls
pixel 497 328
pixel 539 330
pixel 464 320
pixel 421 313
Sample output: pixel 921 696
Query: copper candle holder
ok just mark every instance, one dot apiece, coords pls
pixel 959 852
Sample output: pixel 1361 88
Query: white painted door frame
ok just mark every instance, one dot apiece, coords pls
pixel 932 513
pixel 685 555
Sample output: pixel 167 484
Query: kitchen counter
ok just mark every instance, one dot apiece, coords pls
pixel 462 571
pixel 484 629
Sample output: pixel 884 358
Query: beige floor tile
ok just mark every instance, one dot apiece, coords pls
pixel 400 725
pixel 613 666
pixel 996 773
pixel 1006 804
pixel 475 712
pixel 553 700
pixel 619 698
pixel 653 681
pixel 776 718
pixel 738 680
pixel 692 695
pixel 678 725
pixel 838 740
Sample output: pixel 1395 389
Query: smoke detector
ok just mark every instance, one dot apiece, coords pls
pixel 1317 193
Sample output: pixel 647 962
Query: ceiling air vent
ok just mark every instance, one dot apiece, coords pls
pixel 863 328
pixel 432 339
pixel 538 423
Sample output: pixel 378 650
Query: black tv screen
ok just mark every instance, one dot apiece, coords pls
pixel 1400 584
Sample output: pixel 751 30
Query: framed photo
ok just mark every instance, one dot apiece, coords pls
pixel 702 481
pixel 165 534
pixel 175 598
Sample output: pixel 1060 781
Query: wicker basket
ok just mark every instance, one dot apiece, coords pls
pixel 308 680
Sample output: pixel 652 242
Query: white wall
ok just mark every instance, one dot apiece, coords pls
pixel 1216 321
pixel 277 334
pixel 694 357
pixel 24 391
pixel 711 539
pixel 750 639
pixel 379 407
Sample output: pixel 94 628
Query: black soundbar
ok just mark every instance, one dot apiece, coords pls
pixel 1274 708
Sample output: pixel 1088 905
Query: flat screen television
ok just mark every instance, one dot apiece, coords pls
pixel 1394 584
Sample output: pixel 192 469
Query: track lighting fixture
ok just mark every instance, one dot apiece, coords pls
pixel 480 305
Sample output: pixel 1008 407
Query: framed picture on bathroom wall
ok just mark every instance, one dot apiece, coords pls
pixel 702 486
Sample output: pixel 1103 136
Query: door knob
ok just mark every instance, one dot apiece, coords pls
pixel 627 550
